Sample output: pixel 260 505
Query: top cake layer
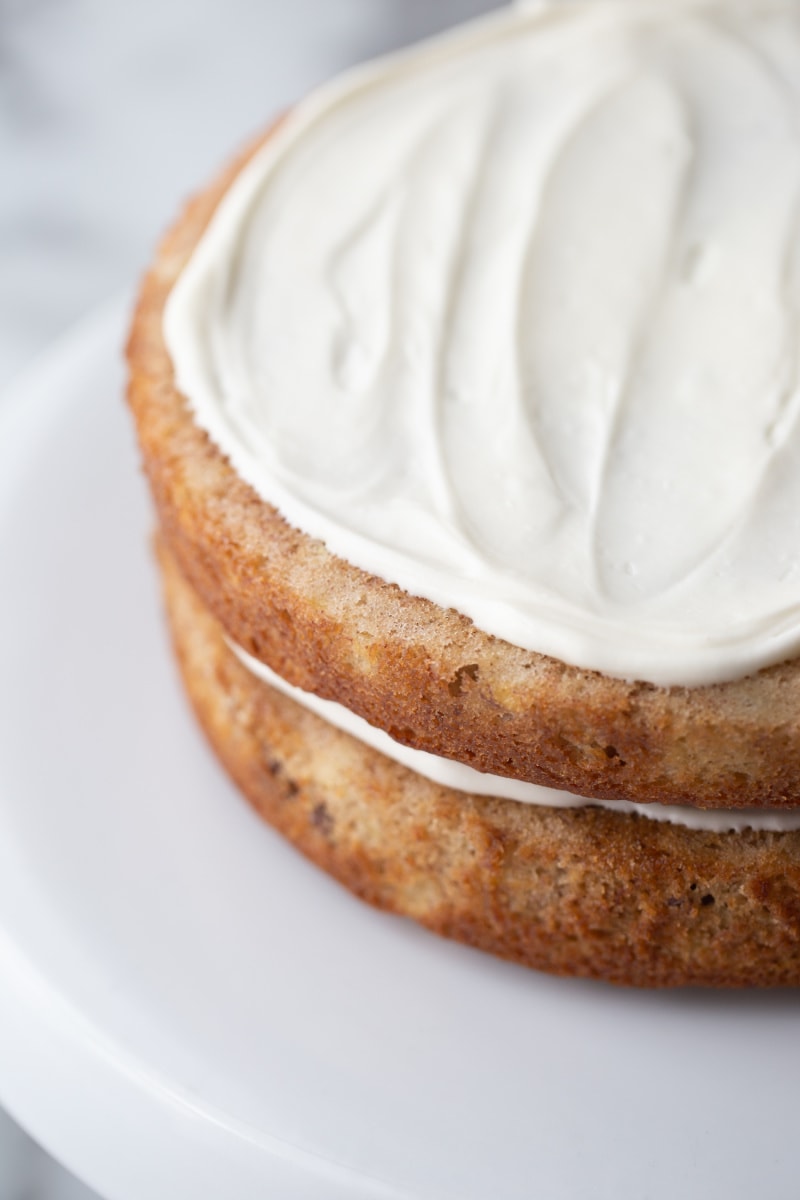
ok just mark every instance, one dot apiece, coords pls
pixel 511 320
pixel 426 675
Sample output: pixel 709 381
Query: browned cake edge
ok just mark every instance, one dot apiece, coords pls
pixel 429 676
pixel 585 892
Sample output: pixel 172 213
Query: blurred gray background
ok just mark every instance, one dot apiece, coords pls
pixel 111 114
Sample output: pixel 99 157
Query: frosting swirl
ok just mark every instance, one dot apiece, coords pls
pixel 513 321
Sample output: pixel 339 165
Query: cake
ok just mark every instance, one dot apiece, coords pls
pixel 468 398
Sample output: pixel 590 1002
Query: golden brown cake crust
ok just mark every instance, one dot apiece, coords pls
pixel 585 892
pixel 429 676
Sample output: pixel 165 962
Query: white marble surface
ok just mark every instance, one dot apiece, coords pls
pixel 110 114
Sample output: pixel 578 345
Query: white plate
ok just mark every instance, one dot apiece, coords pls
pixel 189 1011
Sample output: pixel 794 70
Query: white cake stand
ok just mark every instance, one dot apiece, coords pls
pixel 189 1011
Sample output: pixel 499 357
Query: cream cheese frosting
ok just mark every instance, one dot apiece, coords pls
pixel 463 778
pixel 512 320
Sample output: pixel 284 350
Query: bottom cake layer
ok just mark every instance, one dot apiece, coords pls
pixel 581 891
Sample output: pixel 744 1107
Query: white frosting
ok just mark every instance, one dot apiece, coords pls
pixel 512 320
pixel 462 778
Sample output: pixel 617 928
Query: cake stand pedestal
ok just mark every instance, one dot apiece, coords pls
pixel 188 1010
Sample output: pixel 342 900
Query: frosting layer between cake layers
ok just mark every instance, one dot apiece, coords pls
pixel 463 778
pixel 513 320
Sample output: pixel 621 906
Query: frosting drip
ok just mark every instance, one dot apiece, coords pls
pixel 513 321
